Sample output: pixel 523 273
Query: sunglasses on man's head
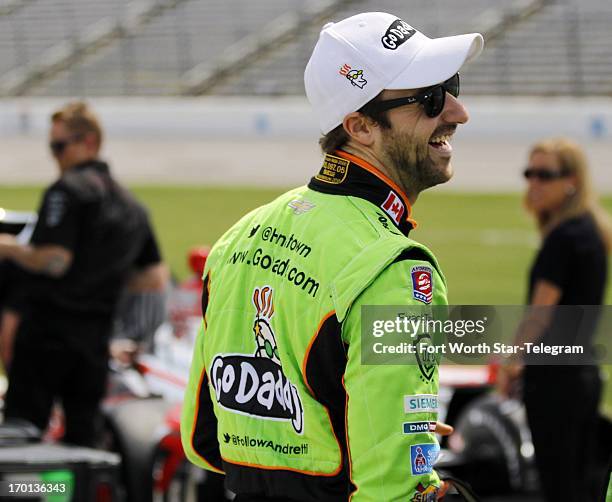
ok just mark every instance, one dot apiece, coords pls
pixel 432 98
pixel 59 145
pixel 543 174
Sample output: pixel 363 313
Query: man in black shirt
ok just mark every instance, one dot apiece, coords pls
pixel 92 239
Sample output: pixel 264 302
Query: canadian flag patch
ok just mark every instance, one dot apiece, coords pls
pixel 394 207
pixel 422 284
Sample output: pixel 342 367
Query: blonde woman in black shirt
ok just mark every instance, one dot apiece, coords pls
pixel 570 268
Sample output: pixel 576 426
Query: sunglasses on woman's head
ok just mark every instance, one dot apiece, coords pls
pixel 432 98
pixel 543 174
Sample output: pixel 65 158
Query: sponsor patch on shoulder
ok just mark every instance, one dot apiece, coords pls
pixel 420 403
pixel 424 493
pixel 418 427
pixel 423 457
pixel 422 283
pixel 300 206
pixel 334 170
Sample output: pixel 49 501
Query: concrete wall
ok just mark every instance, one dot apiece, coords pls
pixel 273 141
pixel 510 118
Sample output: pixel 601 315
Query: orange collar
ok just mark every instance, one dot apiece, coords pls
pixel 382 176
pixel 348 175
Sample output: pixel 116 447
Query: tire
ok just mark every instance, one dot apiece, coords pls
pixel 496 446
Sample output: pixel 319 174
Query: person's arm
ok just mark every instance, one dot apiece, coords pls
pixel 9 322
pixel 52 260
pixel 142 308
pixel 152 278
pixel 537 321
pixel 531 329
pixel 51 248
pixel 150 274
pixel 554 262
pixel 392 409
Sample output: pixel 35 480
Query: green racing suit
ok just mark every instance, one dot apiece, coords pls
pixel 278 398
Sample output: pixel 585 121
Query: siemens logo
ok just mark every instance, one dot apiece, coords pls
pixel 421 403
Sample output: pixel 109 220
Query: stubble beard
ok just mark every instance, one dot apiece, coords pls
pixel 414 167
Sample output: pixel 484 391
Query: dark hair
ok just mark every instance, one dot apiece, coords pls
pixel 338 137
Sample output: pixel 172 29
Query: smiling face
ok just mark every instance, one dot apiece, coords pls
pixel 417 147
pixel 547 195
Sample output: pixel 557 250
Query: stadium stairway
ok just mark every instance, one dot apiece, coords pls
pixel 39 38
pixel 281 71
pixel 561 49
pixel 240 47
pixel 8 7
pixel 189 47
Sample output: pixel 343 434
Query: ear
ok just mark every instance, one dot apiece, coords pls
pixel 360 128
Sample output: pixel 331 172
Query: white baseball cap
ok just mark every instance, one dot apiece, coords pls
pixel 358 57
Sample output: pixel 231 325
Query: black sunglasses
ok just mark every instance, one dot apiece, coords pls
pixel 432 98
pixel 58 146
pixel 543 174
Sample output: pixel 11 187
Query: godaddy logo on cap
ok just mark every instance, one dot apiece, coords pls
pixel 397 34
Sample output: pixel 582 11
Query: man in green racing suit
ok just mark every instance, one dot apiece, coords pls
pixel 278 399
